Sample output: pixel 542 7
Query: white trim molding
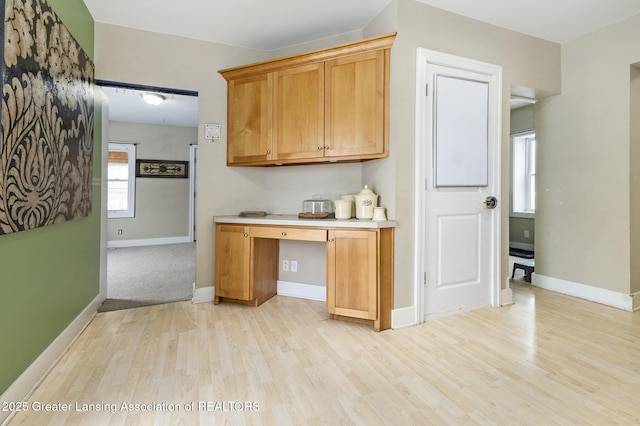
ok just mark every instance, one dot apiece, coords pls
pixel 24 385
pixel 403 317
pixel 148 242
pixel 284 288
pixel 203 294
pixel 628 302
pixel 302 291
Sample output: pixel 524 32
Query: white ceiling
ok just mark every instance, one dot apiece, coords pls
pixel 127 105
pixel 554 20
pixel 273 24
pixel 260 24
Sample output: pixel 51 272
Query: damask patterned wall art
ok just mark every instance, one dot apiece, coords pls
pixel 46 141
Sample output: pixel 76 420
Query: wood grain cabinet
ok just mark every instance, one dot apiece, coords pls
pixel 328 105
pixel 360 276
pixel 298 131
pixel 359 268
pixel 244 272
pixel 249 124
pixel 355 106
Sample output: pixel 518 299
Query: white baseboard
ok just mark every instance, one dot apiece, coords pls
pixel 521 246
pixel 24 385
pixel 147 242
pixel 285 288
pixel 203 294
pixel 302 291
pixel 403 317
pixel 583 291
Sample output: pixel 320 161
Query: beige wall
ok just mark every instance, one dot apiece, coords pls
pixel 517 228
pixel 162 205
pixel 584 214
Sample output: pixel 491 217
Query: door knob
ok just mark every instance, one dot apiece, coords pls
pixel 490 203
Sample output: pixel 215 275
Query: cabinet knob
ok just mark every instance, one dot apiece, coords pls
pixel 284 234
pixel 245 235
pixel 320 148
pixel 268 151
pixel 330 240
pixel 326 147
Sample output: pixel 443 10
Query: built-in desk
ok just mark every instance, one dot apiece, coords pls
pixel 359 263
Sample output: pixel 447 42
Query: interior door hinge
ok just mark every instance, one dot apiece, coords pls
pixel 426 89
pixel 424 280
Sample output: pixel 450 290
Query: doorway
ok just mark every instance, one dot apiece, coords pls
pixel 522 185
pixel 458 127
pixel 151 250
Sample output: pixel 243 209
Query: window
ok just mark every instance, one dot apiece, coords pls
pixel 523 174
pixel 121 180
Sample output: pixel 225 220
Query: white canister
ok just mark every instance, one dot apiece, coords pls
pixel 342 209
pixel 366 200
pixel 352 200
pixel 379 214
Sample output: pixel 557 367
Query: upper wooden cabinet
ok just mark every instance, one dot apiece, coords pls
pixel 355 104
pixel 249 122
pixel 327 105
pixel 298 112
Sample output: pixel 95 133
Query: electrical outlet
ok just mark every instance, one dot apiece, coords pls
pixel 285 265
pixel 294 266
pixel 526 233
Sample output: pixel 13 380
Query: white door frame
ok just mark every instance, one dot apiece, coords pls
pixel 423 57
pixel 193 158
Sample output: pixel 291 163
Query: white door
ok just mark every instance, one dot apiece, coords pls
pixel 458 170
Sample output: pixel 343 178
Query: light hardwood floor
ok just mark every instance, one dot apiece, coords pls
pixel 547 359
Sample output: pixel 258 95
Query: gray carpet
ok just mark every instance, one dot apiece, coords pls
pixel 149 275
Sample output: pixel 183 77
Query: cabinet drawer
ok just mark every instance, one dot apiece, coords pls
pixel 283 233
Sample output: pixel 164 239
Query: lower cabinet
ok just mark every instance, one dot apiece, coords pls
pixel 359 276
pixel 241 275
pixel 352 270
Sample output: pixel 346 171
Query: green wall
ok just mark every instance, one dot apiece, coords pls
pixel 76 17
pixel 49 275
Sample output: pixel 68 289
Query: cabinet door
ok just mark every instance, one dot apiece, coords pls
pixel 298 108
pixel 249 119
pixel 232 262
pixel 355 113
pixel 352 266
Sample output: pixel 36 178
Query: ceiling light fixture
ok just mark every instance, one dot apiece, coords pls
pixel 153 98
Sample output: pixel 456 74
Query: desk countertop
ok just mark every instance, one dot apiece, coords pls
pixel 293 220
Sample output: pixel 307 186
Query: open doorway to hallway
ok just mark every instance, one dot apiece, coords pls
pixel 522 188
pixel 150 194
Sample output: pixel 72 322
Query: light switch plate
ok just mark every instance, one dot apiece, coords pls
pixel 212 131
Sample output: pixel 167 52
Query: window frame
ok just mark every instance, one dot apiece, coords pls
pixel 521 173
pixel 130 148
